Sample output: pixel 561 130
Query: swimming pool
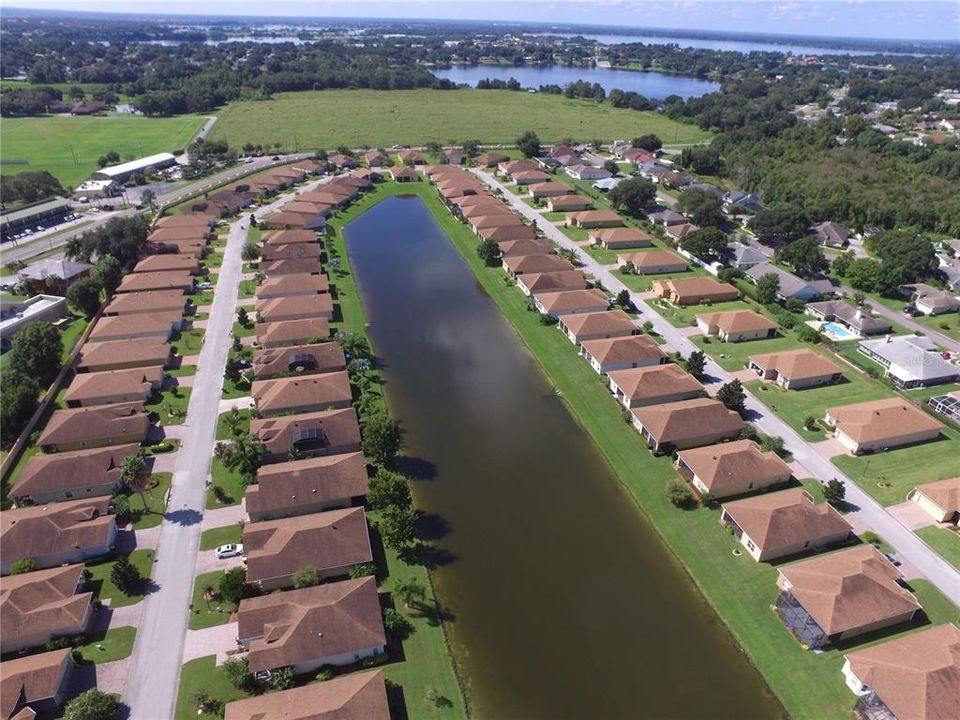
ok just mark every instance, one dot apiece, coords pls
pixel 837 330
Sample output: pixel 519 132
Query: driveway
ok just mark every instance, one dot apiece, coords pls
pixel 210 641
pixel 219 517
pixel 207 561
pixel 872 515
pixel 241 403
pixel 911 515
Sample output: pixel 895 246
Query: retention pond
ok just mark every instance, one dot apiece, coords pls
pixel 564 601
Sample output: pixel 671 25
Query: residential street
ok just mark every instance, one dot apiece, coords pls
pixel 868 512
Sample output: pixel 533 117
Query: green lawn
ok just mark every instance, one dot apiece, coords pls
pixel 215 537
pixel 575 233
pixel 947 324
pixel 643 283
pixel 601 255
pixel 229 480
pixel 328 118
pixel 156 501
pixel 889 476
pixel 103 647
pixel 733 355
pixel 238 389
pixel 207 614
pixel 223 431
pixel 104 588
pixel 188 342
pixel 240 331
pixel 171 405
pixel 945 542
pixel 52 143
pixel 203 674
pixel 72 332
pixel 687 316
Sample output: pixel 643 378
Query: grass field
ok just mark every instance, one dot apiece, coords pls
pixel 104 588
pixel 945 542
pixel 103 647
pixel 215 537
pixel 325 119
pixel 50 143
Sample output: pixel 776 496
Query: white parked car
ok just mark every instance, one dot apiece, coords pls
pixel 229 551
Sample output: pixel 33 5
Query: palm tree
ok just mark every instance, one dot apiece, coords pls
pixel 74 249
pixel 133 474
pixel 409 591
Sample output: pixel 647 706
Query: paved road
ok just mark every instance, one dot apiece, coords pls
pixel 868 512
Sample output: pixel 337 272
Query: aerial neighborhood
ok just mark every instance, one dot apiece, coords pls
pixel 356 422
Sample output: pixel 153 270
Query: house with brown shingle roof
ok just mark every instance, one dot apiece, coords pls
pixel 653 262
pixel 582 327
pixel 536 283
pixel 66 476
pixel 358 696
pixel 732 468
pixel 194 232
pixel 497 220
pixel 410 157
pixel 686 424
pixel 312 485
pixel 569 302
pixel 737 325
pixel 912 677
pixel 331 541
pixel 508 232
pixel 122 327
pixel 290 251
pixel 568 203
pixel 941 499
pixel 491 206
pixel 114 386
pixel 291 266
pixel 527 264
pixel 123 355
pixel 796 369
pixel 375 158
pixel 41 605
pixel 594 219
pixel 168 262
pixel 653 385
pixel 831 598
pixel 293 236
pixel 291 332
pixel 530 177
pixel 620 238
pixel 172 221
pixel 194 248
pixel 93 427
pixel 681 230
pixel 621 353
pixel 881 424
pixel 298 360
pixel 148 281
pixel 51 535
pixel 35 685
pixel 783 523
pixel 479 198
pixel 515 248
pixel 402 173
pixel 489 159
pixel 694 291
pixel 320 433
pixel 295 307
pixel 451 156
pixel 550 189
pixel 312 393
pixel 293 285
pixel 310 219
pixel 147 302
pixel 512 167
pixel 340 160
pixel 333 624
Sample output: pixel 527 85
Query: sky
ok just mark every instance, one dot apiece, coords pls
pixel 900 19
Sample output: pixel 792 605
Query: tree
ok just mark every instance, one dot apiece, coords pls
pixel 650 143
pixel 233 419
pixel 388 488
pixel 250 252
pixel 623 298
pixel 633 195
pixel 703 159
pixel 767 287
pixel 108 273
pixel 704 208
pixel 398 527
pixel 489 251
pixel 396 624
pixel 805 256
pixel 238 673
pixel 907 254
pixel 244 453
pixel 471 148
pixel 306 577
pixel 834 493
pixel 282 678
pixel 841 264
pixel 18 402
pixel 28 187
pixel 125 575
pixel 433 147
pixel 529 144
pixel 232 585
pixel 23 565
pixel 382 439
pixel 36 353
pixel 732 396
pixel 362 570
pixel 84 295
pixel 696 364
pixel 93 705
pixel 148 198
pixel 775 226
pixel 611 166
pixel 355 346
pixel 680 495
pixel 243 317
pixel 409 591
pixel 707 244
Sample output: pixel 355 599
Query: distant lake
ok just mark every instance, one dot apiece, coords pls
pixel 653 85
pixel 741 46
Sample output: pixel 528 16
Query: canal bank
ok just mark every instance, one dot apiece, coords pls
pixel 564 601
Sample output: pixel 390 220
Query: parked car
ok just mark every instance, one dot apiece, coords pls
pixel 229 551
pixel 911 311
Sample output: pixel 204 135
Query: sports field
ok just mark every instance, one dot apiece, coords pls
pixel 325 119
pixel 52 143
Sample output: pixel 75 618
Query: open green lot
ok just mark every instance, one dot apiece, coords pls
pixel 171 404
pixel 103 588
pixel 945 542
pixel 229 481
pixel 215 537
pixel 733 355
pixel 52 143
pixel 152 503
pixel 207 613
pixel 687 316
pixel 103 647
pixel 327 118
pixel 889 476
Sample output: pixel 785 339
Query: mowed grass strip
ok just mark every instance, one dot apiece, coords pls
pixel 328 118
pixel 946 542
pixel 52 143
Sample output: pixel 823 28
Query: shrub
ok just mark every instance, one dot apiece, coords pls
pixel 23 565
pixel 834 492
pixel 239 675
pixel 282 678
pixel 680 495
pixel 810 423
pixel 326 672
pixel 548 320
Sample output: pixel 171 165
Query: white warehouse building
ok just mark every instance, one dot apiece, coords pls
pixel 120 173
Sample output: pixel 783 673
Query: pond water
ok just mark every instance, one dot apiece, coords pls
pixel 653 85
pixel 563 601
